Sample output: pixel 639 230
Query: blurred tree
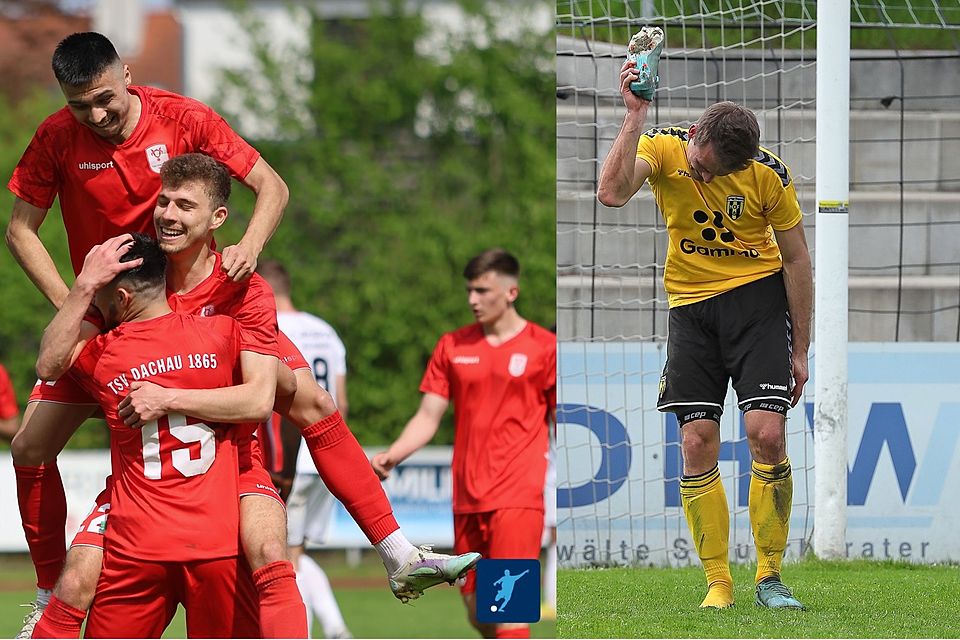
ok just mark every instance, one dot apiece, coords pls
pixel 404 160
pixel 24 312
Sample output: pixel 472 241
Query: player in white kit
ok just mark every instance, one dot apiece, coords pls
pixel 310 504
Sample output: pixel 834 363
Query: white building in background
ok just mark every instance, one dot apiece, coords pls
pixel 214 38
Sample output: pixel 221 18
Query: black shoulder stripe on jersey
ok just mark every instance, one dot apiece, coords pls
pixel 767 159
pixel 670 131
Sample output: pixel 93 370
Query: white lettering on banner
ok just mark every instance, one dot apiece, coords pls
pixel 904 452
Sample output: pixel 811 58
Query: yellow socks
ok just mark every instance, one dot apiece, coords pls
pixel 771 498
pixel 708 516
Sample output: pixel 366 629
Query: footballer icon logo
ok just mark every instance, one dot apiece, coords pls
pixel 518 364
pixel 735 206
pixel 508 591
pixel 156 156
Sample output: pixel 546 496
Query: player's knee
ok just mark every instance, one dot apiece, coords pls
pixel 765 432
pixel 78 582
pixel 311 404
pixel 27 451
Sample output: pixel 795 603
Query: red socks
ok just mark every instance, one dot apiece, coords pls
pixel 347 473
pixel 43 512
pixel 516 632
pixel 282 614
pixel 59 620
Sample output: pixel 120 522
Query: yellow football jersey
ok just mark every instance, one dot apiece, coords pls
pixel 720 233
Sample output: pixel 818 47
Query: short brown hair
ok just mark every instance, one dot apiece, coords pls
pixel 201 168
pixel 276 274
pixel 734 132
pixel 497 260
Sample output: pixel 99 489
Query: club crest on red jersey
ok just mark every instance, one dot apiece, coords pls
pixel 518 364
pixel 207 310
pixel 156 156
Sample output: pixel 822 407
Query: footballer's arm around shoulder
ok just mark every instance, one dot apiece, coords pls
pixel 272 196
pixel 250 401
pixel 67 334
pixel 23 240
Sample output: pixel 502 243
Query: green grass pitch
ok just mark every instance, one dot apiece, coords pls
pixel 368 607
pixel 857 599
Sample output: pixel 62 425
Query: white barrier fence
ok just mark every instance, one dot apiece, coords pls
pixel 420 490
pixel 619 460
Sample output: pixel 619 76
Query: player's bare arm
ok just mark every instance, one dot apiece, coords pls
pixel 798 280
pixel 623 173
pixel 240 260
pixel 419 431
pixel 250 401
pixel 23 239
pixel 67 334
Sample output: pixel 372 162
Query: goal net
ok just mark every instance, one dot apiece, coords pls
pixel 619 459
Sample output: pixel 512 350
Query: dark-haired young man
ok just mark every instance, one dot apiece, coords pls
pixel 174 518
pixel 739 285
pixel 500 373
pixel 101 156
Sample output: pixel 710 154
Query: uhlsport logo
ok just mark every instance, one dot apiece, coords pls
pixel 508 591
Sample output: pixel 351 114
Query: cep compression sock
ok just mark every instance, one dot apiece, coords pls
pixel 705 505
pixel 59 620
pixel 43 512
pixel 771 498
pixel 347 473
pixel 282 614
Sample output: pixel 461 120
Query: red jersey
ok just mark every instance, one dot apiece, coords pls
pixel 107 189
pixel 175 486
pixel 501 397
pixel 8 401
pixel 250 302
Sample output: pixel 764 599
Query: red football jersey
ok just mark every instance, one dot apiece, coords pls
pixel 175 486
pixel 8 401
pixel 501 399
pixel 250 302
pixel 106 189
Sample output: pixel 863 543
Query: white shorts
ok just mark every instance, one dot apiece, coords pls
pixel 309 510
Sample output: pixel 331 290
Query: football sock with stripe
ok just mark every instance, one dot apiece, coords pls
pixel 43 513
pixel 346 471
pixel 771 499
pixel 512 632
pixel 282 614
pixel 705 505
pixel 59 620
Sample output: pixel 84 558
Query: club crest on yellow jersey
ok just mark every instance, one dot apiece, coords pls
pixel 735 206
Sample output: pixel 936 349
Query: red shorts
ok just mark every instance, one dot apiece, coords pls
pixel 138 598
pixel 66 390
pixel 289 353
pixel 254 480
pixel 500 534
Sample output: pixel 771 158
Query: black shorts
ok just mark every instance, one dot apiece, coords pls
pixel 743 334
